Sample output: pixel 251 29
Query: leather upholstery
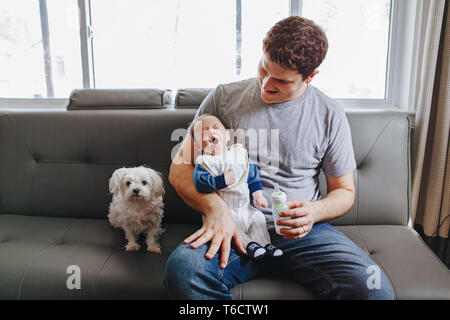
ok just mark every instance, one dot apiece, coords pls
pixel 54 168
pixel 63 170
pixel 36 251
pixel 87 146
pixel 382 174
pixel 115 99
pixel 190 98
pixel 415 272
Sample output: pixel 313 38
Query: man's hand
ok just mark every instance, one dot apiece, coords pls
pixel 303 216
pixel 219 228
pixel 230 177
pixel 259 200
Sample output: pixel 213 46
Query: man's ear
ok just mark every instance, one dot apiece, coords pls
pixel 311 76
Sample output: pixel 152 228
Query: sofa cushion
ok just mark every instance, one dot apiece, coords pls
pixel 414 270
pixel 190 98
pixel 36 252
pixel 81 99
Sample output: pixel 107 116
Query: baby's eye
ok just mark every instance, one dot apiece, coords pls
pixel 128 183
pixel 144 182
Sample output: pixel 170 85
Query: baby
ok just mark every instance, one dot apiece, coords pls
pixel 231 173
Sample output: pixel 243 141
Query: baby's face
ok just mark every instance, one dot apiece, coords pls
pixel 214 136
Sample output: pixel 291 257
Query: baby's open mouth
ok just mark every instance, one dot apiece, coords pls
pixel 214 140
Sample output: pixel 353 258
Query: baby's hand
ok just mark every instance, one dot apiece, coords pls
pixel 230 177
pixel 259 200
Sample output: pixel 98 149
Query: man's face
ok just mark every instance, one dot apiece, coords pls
pixel 277 83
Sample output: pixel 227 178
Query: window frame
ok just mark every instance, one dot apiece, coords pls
pixel 405 15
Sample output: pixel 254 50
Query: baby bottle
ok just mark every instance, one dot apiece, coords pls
pixel 279 204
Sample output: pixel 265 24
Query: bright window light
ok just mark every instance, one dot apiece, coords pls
pixel 181 43
pixel 39 48
pixel 161 43
pixel 358 36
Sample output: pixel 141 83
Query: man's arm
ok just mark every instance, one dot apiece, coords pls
pixel 218 225
pixel 340 198
pixel 338 164
pixel 180 177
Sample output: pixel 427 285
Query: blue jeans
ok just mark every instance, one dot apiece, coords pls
pixel 325 262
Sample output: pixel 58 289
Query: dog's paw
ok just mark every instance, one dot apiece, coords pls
pixel 154 248
pixel 132 247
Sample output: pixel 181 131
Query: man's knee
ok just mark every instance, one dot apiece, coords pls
pixel 189 275
pixel 377 284
pixel 181 268
pixel 372 284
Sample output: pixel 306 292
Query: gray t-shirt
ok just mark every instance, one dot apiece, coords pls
pixel 290 141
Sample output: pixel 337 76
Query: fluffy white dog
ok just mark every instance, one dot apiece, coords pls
pixel 137 205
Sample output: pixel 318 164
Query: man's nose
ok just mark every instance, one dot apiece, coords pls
pixel 267 83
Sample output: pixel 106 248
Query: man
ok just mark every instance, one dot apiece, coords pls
pixel 313 134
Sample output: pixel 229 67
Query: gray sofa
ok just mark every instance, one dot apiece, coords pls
pixel 54 169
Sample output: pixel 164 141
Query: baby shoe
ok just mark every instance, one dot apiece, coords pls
pixel 273 251
pixel 255 251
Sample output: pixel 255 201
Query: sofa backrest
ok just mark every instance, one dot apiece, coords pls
pixel 89 99
pixel 58 162
pixel 190 98
pixel 381 143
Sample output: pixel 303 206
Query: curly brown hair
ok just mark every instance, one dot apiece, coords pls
pixel 297 44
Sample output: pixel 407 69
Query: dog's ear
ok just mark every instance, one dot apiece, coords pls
pixel 157 182
pixel 114 182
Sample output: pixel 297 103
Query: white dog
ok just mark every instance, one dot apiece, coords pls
pixel 137 205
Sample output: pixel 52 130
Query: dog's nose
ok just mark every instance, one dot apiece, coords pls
pixel 136 191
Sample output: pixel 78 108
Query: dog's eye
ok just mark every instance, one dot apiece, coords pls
pixel 128 183
pixel 144 182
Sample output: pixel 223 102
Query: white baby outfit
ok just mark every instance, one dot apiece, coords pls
pixel 249 220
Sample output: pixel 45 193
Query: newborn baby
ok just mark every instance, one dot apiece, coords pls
pixel 231 173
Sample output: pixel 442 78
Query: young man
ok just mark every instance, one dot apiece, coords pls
pixel 313 134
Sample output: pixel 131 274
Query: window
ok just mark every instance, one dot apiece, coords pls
pixel 179 43
pixel 184 43
pixel 358 36
pixel 39 48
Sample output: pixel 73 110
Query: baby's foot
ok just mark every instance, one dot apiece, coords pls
pixel 273 251
pixel 255 251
